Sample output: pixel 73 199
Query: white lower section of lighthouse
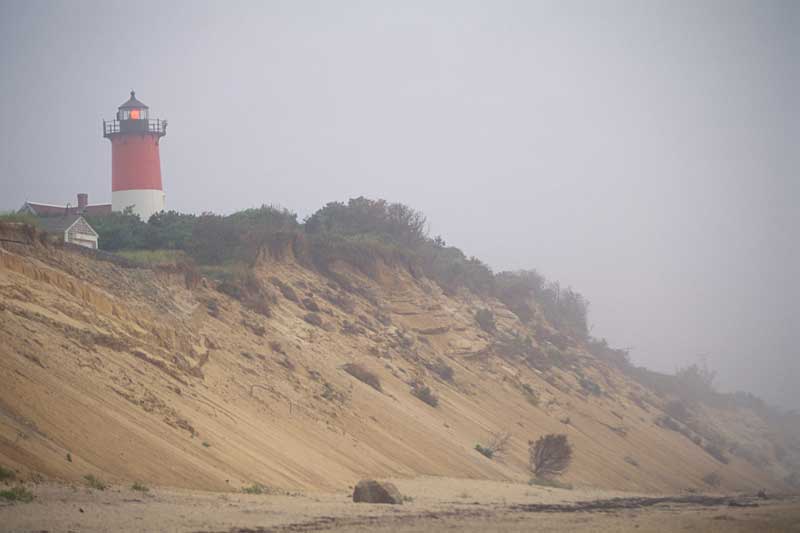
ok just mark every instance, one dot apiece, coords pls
pixel 144 202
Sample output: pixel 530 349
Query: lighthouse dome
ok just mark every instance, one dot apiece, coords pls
pixel 133 103
pixel 133 109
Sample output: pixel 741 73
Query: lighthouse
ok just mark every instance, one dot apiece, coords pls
pixel 135 161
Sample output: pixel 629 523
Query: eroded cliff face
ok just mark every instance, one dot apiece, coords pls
pixel 157 376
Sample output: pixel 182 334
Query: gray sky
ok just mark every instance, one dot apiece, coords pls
pixel 643 152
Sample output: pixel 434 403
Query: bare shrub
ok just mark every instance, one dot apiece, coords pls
pixel 311 304
pixel 314 319
pixel 497 446
pixel 213 307
pixel 254 327
pixel 485 319
pixel 639 401
pixel 441 369
pixel 712 479
pixel 363 375
pixel 513 346
pixel 530 394
pixel 276 347
pixel 550 455
pixel 424 393
pixel 667 422
pixel 330 393
pixel 631 461
pixel 383 318
pixel 351 328
pixel 340 300
pixel 285 289
pixel 590 386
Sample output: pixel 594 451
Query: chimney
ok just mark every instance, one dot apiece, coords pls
pixel 83 201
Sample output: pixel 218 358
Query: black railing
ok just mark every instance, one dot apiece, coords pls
pixel 153 125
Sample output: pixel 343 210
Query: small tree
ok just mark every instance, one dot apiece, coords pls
pixel 550 455
pixel 499 443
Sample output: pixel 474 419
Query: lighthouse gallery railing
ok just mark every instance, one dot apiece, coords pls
pixel 157 126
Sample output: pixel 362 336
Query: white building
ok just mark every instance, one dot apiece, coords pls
pixel 73 228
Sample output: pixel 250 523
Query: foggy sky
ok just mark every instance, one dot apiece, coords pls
pixel 644 153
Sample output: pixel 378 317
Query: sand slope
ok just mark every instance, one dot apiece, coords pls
pixel 136 374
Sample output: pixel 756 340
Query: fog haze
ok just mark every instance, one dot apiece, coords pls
pixel 644 153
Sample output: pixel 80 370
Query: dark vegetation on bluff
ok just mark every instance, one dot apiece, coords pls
pixel 361 232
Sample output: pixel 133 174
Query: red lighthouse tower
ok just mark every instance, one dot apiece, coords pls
pixel 135 163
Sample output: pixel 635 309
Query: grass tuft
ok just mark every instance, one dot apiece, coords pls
pixel 140 487
pixel 94 482
pixel 17 494
pixel 256 488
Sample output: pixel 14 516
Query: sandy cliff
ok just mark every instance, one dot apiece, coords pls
pixel 157 376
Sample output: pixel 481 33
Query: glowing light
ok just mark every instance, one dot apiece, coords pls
pixel 135 114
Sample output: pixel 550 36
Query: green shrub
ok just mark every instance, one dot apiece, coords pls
pixel 17 494
pixel 6 474
pixel 21 218
pixel 486 452
pixel 362 374
pixel 95 482
pixel 485 319
pixel 564 309
pixel 140 487
pixel 256 488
